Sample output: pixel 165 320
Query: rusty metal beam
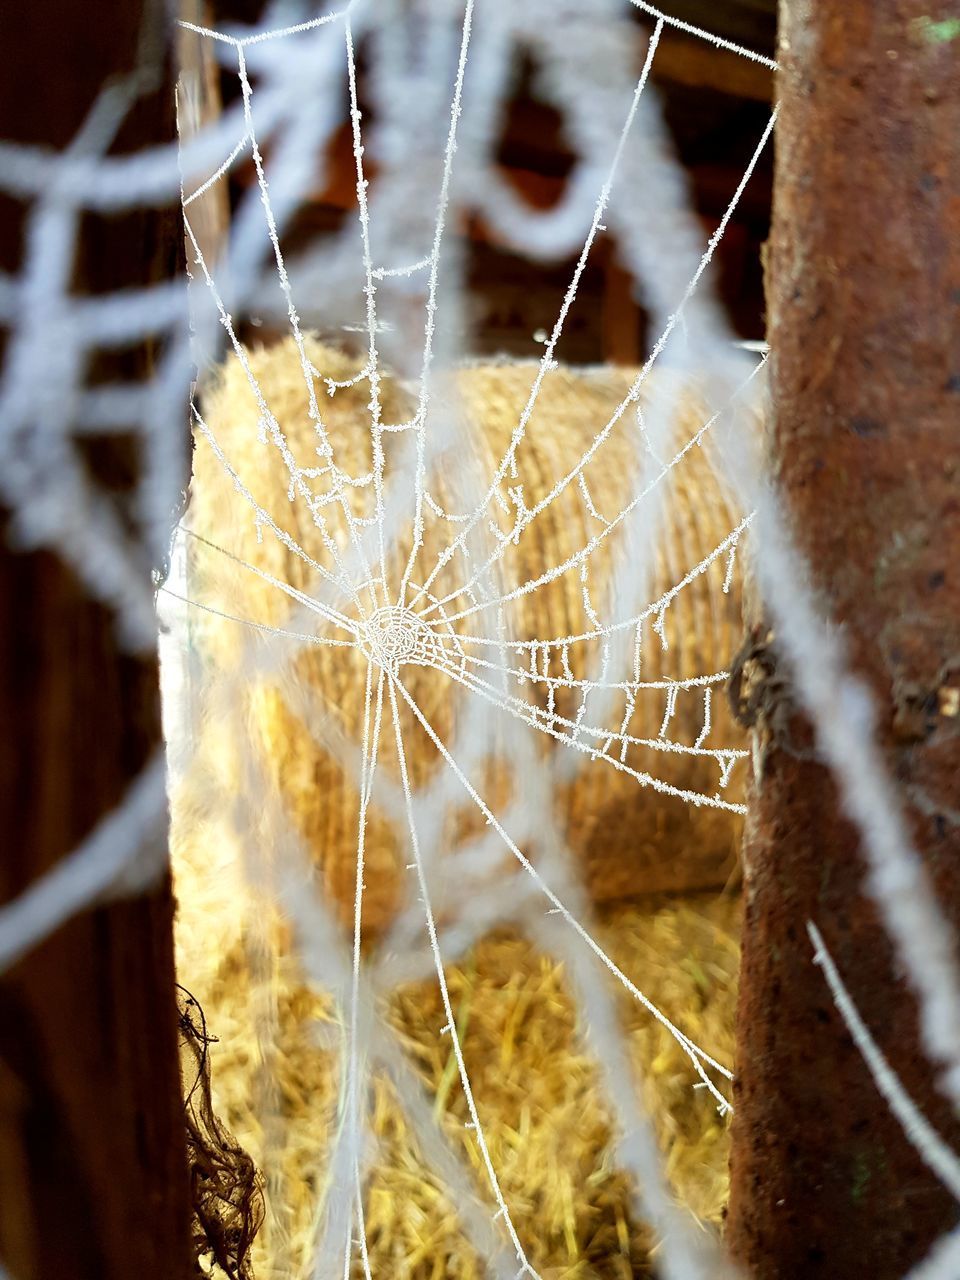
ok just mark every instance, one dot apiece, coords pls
pixel 864 315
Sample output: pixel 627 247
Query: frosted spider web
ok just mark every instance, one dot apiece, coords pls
pixel 292 79
pixel 408 620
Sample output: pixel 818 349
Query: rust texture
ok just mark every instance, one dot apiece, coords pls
pixel 92 1143
pixel 863 286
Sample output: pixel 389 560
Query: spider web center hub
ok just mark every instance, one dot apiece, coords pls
pixel 393 636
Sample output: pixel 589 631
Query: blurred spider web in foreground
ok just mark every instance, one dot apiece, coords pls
pixel 418 557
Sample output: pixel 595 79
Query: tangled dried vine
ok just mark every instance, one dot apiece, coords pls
pixel 226 1188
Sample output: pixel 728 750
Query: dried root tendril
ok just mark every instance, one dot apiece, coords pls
pixel 226 1188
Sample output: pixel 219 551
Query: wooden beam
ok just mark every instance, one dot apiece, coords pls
pixel 691 61
pixel 198 106
pixel 93 1179
pixel 622 317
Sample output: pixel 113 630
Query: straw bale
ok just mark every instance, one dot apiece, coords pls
pixel 628 839
pixel 276 1079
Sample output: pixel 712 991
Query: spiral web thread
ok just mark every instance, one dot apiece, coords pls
pixel 293 80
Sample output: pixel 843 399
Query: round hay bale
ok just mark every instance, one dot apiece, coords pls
pixel 628 837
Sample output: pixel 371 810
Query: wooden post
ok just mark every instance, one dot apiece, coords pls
pixel 93 1179
pixel 198 107
pixel 622 317
pixel 864 314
